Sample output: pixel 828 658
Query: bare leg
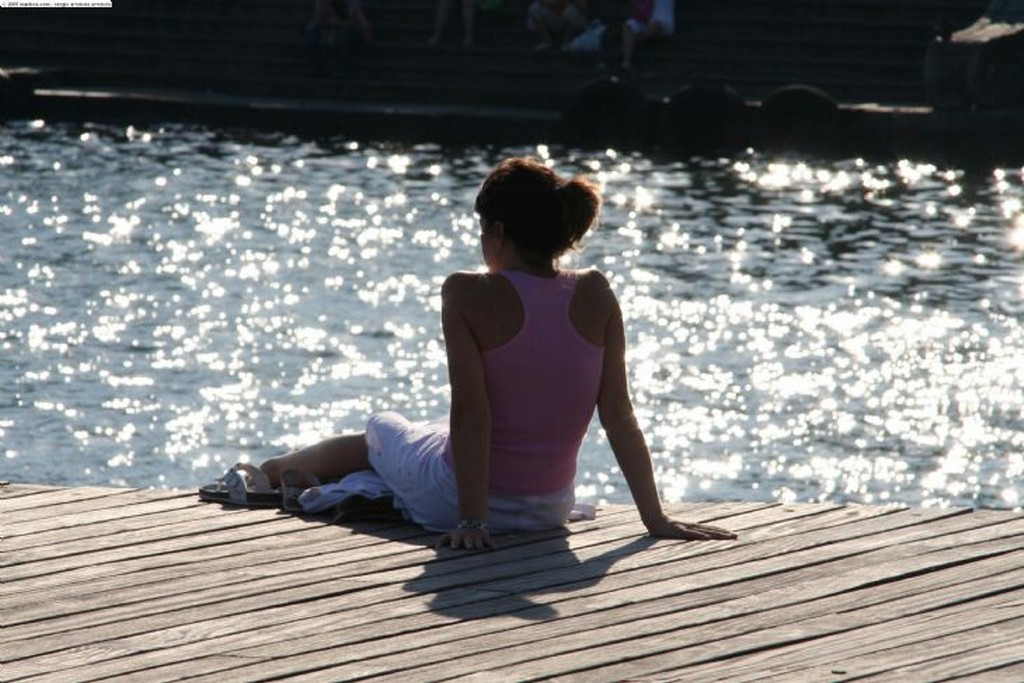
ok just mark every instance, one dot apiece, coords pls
pixel 630 40
pixel 358 17
pixel 538 15
pixel 628 45
pixel 443 7
pixel 329 460
pixel 573 24
pixel 468 16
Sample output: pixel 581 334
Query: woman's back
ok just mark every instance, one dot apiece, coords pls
pixel 494 311
pixel 541 341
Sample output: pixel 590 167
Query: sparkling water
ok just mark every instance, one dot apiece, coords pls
pixel 174 300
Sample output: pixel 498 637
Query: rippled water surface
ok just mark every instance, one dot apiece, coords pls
pixel 175 300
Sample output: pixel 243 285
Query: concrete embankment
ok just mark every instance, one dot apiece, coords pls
pixel 844 77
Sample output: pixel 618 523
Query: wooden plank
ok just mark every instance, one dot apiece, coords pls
pixel 95 518
pixel 109 528
pixel 689 606
pixel 144 586
pixel 404 561
pixel 130 544
pixel 43 513
pixel 66 638
pixel 973 650
pixel 244 595
pixel 238 533
pixel 928 636
pixel 11 491
pixel 997 672
pixel 665 639
pixel 679 649
pixel 222 568
pixel 443 656
pixel 17 497
pixel 227 573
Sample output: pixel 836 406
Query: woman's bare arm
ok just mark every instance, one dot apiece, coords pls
pixel 615 410
pixel 470 412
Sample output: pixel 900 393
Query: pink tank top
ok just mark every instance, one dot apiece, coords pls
pixel 542 385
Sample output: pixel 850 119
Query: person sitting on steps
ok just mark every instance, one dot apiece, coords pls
pixel 444 8
pixel 333 41
pixel 649 19
pixel 557 21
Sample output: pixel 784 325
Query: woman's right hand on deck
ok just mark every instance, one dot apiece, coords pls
pixel 670 528
pixel 468 539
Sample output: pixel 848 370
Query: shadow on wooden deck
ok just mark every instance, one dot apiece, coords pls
pixel 114 584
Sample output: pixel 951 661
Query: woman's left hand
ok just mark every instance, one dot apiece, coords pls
pixel 469 539
pixel 670 528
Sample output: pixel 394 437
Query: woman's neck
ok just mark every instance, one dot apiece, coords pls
pixel 517 262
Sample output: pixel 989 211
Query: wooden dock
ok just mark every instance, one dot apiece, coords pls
pixel 117 584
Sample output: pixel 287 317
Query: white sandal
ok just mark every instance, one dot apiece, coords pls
pixel 243 485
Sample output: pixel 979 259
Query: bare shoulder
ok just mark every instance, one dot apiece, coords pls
pixel 460 287
pixel 486 303
pixel 469 290
pixel 592 277
pixel 593 286
pixel 593 307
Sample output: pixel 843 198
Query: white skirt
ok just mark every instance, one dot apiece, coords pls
pixel 409 457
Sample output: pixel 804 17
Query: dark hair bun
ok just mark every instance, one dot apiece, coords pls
pixel 581 204
pixel 542 214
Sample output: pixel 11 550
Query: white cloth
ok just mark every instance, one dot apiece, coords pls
pixel 366 483
pixel 409 459
pixel 589 40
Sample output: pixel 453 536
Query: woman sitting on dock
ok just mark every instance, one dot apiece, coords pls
pixel 533 350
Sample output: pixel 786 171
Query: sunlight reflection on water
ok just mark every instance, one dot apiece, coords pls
pixel 174 300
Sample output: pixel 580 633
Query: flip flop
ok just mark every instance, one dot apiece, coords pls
pixel 215 493
pixel 244 486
